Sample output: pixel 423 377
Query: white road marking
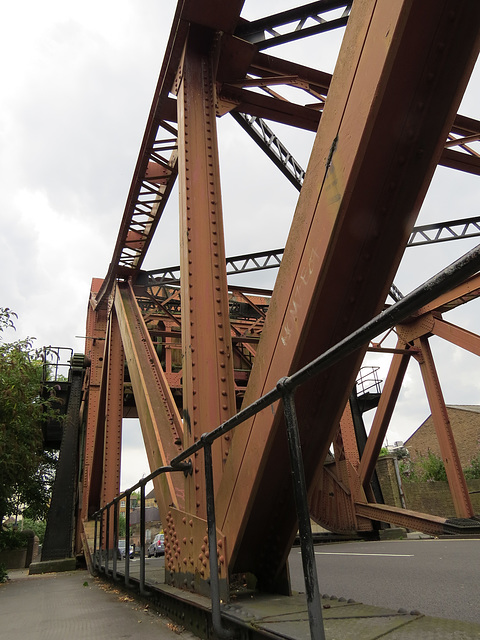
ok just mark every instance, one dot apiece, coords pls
pixel 385 555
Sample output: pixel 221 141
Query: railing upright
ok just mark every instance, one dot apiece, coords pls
pixel 127 539
pixel 219 629
pixel 107 542
pixel 143 591
pixel 115 539
pixel 96 562
pixel 314 603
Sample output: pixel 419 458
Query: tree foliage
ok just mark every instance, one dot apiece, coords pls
pixel 26 470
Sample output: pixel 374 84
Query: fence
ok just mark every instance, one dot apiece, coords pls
pixel 284 390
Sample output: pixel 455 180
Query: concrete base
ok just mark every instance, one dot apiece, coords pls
pixel 394 533
pixel 53 566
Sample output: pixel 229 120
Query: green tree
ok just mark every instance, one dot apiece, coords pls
pixel 26 470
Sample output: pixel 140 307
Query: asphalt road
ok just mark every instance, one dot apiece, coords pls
pixel 437 577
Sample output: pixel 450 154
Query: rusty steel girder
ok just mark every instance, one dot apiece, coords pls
pixel 374 155
pixel 382 119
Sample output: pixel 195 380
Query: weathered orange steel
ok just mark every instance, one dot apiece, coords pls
pixel 388 399
pixel 113 413
pixel 441 421
pixel 95 352
pixel 390 105
pixel 461 337
pixel 159 418
pixel 208 386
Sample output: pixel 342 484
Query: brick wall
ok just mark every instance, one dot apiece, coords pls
pixel 427 497
pixel 435 498
pixel 465 423
pixel 388 481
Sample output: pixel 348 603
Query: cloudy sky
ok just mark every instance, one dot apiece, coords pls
pixel 77 84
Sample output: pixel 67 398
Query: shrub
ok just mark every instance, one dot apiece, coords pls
pixel 472 472
pixel 11 539
pixel 423 468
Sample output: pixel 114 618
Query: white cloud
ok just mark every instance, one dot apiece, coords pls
pixel 77 83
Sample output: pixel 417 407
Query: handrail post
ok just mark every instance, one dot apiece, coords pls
pixel 100 546
pixel 314 604
pixel 115 539
pixel 143 591
pixel 96 562
pixel 127 540
pixel 220 631
pixel 107 542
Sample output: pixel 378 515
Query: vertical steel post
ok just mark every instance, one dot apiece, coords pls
pixel 96 562
pixel 127 539
pixel 115 539
pixel 102 514
pixel 143 591
pixel 107 541
pixel 112 443
pixel 208 378
pixel 212 545
pixel 314 604
pixel 94 351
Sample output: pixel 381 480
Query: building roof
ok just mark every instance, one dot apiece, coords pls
pixel 472 408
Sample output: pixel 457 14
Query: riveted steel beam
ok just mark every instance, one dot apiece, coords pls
pixel 159 419
pixel 95 384
pixel 457 335
pixel 390 106
pixel 208 381
pixel 383 414
pixel 113 414
pixel 443 429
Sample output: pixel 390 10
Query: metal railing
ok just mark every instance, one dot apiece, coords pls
pixel 368 380
pixel 284 390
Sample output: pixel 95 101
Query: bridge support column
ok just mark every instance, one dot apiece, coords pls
pixel 208 385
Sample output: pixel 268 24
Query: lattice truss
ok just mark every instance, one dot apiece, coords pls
pixel 197 348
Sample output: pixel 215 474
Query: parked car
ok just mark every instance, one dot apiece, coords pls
pixel 157 547
pixel 121 550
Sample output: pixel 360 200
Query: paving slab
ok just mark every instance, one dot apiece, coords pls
pixel 73 606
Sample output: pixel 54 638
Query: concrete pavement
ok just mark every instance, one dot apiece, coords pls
pixel 76 606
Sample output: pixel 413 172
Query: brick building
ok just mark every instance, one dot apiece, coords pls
pixel 465 423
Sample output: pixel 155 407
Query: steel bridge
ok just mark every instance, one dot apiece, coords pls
pixel 185 350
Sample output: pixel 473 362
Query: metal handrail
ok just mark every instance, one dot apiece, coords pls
pixel 447 279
